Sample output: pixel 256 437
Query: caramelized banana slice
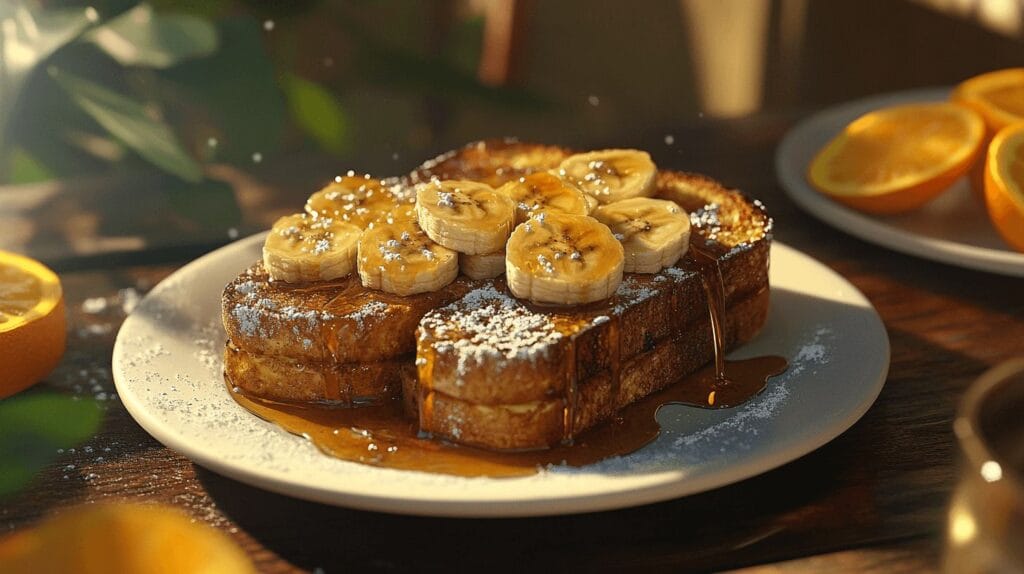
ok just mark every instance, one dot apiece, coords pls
pixel 355 199
pixel 300 248
pixel 563 259
pixel 466 216
pixel 486 266
pixel 545 192
pixel 654 233
pixel 611 175
pixel 399 258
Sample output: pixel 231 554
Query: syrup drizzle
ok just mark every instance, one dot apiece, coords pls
pixel 731 383
pixel 614 346
pixel 332 381
pixel 714 288
pixel 425 402
pixel 381 435
pixel 572 393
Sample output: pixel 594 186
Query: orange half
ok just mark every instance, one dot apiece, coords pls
pixel 998 96
pixel 896 159
pixel 1004 184
pixel 32 322
pixel 142 539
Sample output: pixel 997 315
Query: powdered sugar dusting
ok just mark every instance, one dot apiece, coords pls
pixel 736 428
pixel 631 292
pixel 489 324
pixel 370 309
pixel 256 314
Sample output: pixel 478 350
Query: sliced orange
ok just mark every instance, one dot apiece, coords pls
pixel 896 159
pixel 32 322
pixel 122 538
pixel 1004 184
pixel 999 97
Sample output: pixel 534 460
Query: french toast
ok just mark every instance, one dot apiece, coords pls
pixel 500 372
pixel 492 370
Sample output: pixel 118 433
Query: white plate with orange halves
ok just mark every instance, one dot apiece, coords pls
pixel 168 370
pixel 952 229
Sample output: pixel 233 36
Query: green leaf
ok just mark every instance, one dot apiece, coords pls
pixel 210 204
pixel 128 121
pixel 319 115
pixel 33 427
pixel 234 93
pixel 27 38
pixel 142 37
pixel 26 169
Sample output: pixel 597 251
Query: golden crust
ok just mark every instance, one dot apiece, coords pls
pixel 286 380
pixel 334 321
pixel 494 162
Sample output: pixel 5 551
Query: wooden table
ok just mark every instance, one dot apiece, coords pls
pixel 874 499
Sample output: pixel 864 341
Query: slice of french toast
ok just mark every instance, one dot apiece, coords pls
pixel 506 383
pixel 541 422
pixel 325 322
pixel 500 373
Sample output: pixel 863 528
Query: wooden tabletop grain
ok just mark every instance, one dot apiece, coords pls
pixel 873 499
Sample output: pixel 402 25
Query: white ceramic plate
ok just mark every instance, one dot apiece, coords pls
pixel 952 229
pixel 167 368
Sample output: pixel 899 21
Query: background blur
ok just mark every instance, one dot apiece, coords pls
pixel 218 115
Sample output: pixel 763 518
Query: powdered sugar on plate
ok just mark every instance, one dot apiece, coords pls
pixel 733 429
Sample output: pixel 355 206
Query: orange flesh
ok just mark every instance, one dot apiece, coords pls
pixel 1015 167
pixel 1004 185
pixel 890 150
pixel 1010 99
pixel 19 292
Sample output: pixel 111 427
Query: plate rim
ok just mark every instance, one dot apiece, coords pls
pixel 864 227
pixel 564 504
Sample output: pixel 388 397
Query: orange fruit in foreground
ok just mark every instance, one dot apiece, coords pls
pixel 32 322
pixel 133 538
pixel 896 159
pixel 999 98
pixel 1004 184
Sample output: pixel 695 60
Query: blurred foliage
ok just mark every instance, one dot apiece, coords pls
pixel 33 426
pixel 139 37
pixel 132 124
pixel 318 114
pixel 169 85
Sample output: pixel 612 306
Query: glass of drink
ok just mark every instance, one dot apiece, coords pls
pixel 985 530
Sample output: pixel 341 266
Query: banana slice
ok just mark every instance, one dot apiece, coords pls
pixel 399 258
pixel 544 192
pixel 300 248
pixel 404 212
pixel 486 266
pixel 355 199
pixel 654 233
pixel 612 174
pixel 466 216
pixel 563 259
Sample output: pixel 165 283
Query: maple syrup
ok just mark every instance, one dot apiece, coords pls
pixel 381 435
